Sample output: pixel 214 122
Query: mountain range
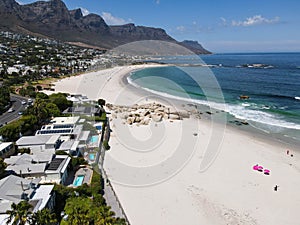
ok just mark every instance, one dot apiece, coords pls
pixel 52 19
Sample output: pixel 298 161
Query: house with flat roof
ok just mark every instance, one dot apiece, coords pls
pixel 48 141
pixel 14 189
pixel 57 170
pixel 63 121
pixel 61 134
pixel 81 110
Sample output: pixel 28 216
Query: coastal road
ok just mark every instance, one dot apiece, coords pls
pixel 17 106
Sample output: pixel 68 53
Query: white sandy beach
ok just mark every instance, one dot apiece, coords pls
pixel 160 182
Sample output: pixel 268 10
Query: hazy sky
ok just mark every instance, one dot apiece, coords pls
pixel 219 25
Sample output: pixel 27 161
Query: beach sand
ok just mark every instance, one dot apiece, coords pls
pixel 155 169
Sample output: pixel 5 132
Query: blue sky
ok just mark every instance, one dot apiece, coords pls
pixel 219 25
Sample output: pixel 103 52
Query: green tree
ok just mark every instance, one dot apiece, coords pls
pixel 28 124
pixel 104 216
pixel 4 97
pixel 39 87
pixel 42 95
pixel 22 91
pixel 60 99
pixel 40 111
pixel 11 132
pixel 101 102
pixel 62 193
pixel 23 150
pixel 52 109
pixel 2 167
pixel 43 217
pixel 78 210
pixel 19 213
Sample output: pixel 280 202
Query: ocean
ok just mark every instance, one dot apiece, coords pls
pixel 269 83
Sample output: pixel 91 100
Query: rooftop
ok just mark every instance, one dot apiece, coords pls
pixel 84 136
pixel 53 139
pixel 4 145
pixel 65 120
pixel 82 110
pixel 66 145
pixel 14 189
pixel 41 154
pixel 19 159
pixel 28 169
pixel 55 163
pixel 33 140
pixel 43 193
pixel 58 164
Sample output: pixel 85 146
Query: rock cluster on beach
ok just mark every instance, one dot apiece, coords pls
pixel 145 113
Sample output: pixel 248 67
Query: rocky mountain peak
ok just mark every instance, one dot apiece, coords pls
pixel 76 14
pixel 54 20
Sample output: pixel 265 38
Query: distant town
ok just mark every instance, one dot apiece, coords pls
pixel 34 58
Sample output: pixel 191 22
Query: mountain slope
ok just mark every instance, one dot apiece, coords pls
pixel 54 20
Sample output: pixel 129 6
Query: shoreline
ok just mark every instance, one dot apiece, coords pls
pixel 247 129
pixel 228 192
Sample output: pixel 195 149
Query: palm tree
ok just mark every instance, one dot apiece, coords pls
pixel 19 213
pixel 43 217
pixel 104 216
pixel 78 211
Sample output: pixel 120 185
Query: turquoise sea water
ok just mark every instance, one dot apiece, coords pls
pixel 271 80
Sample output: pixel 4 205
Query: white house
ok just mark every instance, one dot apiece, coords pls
pixel 53 171
pixel 6 149
pixel 15 189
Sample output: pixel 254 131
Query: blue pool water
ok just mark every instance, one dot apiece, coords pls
pixel 92 156
pixel 94 139
pixel 78 181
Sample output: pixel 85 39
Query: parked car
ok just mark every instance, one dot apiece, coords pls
pixel 29 101
pixel 23 102
pixel 10 110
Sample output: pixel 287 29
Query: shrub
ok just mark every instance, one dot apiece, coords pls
pixel 106 145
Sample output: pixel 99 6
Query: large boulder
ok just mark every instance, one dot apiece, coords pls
pixel 174 117
pixel 156 117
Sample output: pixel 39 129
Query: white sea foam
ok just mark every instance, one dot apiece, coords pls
pixel 297 98
pixel 238 111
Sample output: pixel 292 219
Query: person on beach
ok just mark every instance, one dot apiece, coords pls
pixel 276 187
pixel 287 152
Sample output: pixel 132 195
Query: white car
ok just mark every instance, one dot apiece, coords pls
pixel 29 100
pixel 10 110
pixel 23 102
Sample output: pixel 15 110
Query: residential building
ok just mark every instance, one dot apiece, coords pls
pixel 6 149
pixel 14 189
pixel 32 166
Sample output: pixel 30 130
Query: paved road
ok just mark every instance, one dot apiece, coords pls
pixel 17 106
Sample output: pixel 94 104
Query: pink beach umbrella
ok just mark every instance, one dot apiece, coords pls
pixel 260 168
pixel 267 172
pixel 255 167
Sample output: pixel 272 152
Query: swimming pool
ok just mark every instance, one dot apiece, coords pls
pixel 78 181
pixel 92 156
pixel 94 139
